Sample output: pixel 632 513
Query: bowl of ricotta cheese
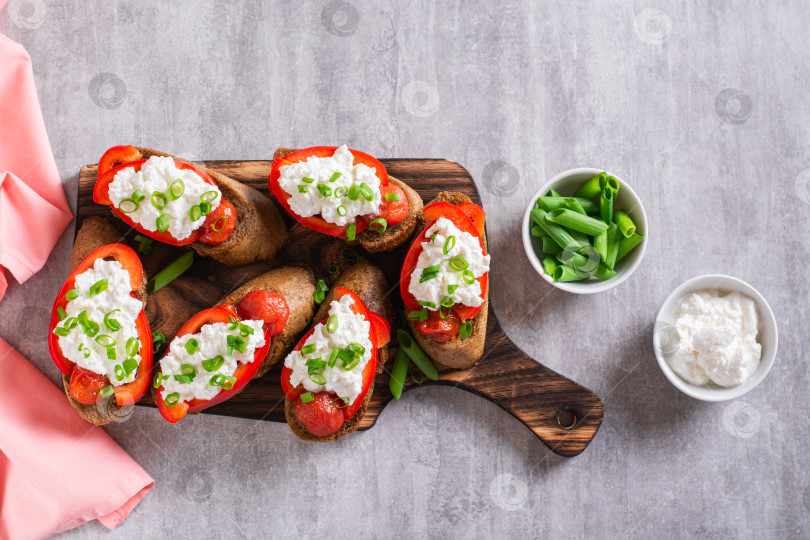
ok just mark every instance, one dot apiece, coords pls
pixel 715 337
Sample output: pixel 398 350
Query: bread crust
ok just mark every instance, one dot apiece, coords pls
pixel 394 236
pixel 94 233
pixel 369 283
pixel 260 232
pixel 456 354
pixel 297 285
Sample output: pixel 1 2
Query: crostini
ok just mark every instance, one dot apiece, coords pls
pixel 99 336
pixel 444 282
pixel 180 203
pixel 328 378
pixel 345 193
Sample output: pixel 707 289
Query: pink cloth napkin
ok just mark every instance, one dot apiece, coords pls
pixel 33 208
pixel 57 471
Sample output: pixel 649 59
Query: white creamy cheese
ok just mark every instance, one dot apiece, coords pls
pixel 716 339
pixel 116 296
pixel 321 169
pixel 351 328
pixel 156 175
pixel 467 247
pixel 213 340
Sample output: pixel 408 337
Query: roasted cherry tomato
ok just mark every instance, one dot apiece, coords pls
pixel 394 212
pixel 265 306
pixel 85 385
pixel 219 224
pixel 438 329
pixel 320 416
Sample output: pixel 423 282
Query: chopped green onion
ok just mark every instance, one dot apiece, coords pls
pixel 209 196
pixel 159 200
pixel 354 192
pixel 130 365
pixel 236 342
pixel 205 208
pixel 427 304
pixel 341 210
pixel 87 351
pixel 170 273
pixel 158 340
pixel 157 380
pixel 378 224
pixel 326 191
pixel 98 287
pixel 107 391
pixel 442 314
pixel 320 291
pixel 172 399
pixel 192 345
pixel 447 302
pixel 112 324
pixel 195 213
pixel 351 365
pixel 465 330
pixel 350 232
pixel 449 244
pixel 458 263
pixel 119 372
pixel 414 315
pixel 162 223
pixel 213 364
pixel 334 176
pixel 344 402
pixel 128 206
pixel 188 369
pixel 332 324
pixel 308 349
pixel 223 381
pixel 144 244
pixel 303 189
pixel 307 180
pixel 105 341
pixel 111 354
pixel 133 346
pixel 72 294
pixel 468 277
pixel 429 272
pixel 350 255
pixel 433 236
pixel 183 379
pixel 333 358
pixel 138 196
pixel 71 323
pixel 397 381
pixel 306 397
pixel 334 269
pixel 451 289
pixel 341 191
pixel 59 331
pixel 219 224
pixel 356 348
pixel 177 188
pixel 366 192
pixel 417 355
pixel 60 312
pixel 234 323
pixel 245 330
pixel 392 197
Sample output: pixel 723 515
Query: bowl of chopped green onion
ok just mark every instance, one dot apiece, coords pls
pixel 584 231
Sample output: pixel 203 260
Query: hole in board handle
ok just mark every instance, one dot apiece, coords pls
pixel 567 419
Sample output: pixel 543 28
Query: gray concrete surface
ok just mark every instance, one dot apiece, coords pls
pixel 701 106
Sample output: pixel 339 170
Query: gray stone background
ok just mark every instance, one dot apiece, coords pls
pixel 701 106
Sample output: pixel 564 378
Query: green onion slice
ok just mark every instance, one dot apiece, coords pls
pixel 306 397
pixel 429 272
pixel 307 180
pixel 308 349
pixel 162 223
pixel 332 324
pixel 333 358
pixel 111 354
pixel 158 340
pixel 219 224
pixel 341 402
pixel 335 176
pixel 205 208
pixel 448 301
pixel 350 232
pixel 351 365
pixel 234 323
pixel 188 369
pixel 236 342
pixel 60 312
pixel 427 304
pixel 458 263
pixel 449 244
pixel 170 273
pixel 98 287
pixel 60 331
pixel 72 294
pixel 451 289
pixel 468 277
pixel 159 200
pixel 354 192
pixel 341 210
pixel 334 269
pixel 392 197
pixel 177 189
pixel 379 224
pixel 315 364
pixel 303 189
pixel 444 314
pixel 350 255
pixel 465 330
pixel 320 291
pixel 366 192
pixel 130 365
pixel 195 213
pixel 128 206
pixel 356 348
pixel 107 391
pixel 183 379
pixel 158 379
pixel 317 378
pixel 324 190
pixel 209 196
pixel 413 315
pixel 213 364
pixel 105 341
pixel 71 323
pixel 112 324
pixel 133 346
pixel 245 330
pixel 138 196
pixel 192 345
pixel 341 191
pixel 119 372
pixel 172 399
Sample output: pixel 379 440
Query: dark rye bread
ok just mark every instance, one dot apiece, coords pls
pixel 456 354
pixel 94 233
pixel 297 285
pixel 369 283
pixel 394 236
pixel 260 232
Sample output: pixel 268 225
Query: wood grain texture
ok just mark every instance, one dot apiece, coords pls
pixel 561 413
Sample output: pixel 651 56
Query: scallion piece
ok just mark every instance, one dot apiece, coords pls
pixel 356 348
pixel 183 379
pixel 306 397
pixel 333 358
pixel 573 204
pixel 159 200
pixel 606 205
pixel 577 222
pixel 341 402
pixel 177 189
pixel 307 180
pixel 468 277
pixel 378 225
pixel 308 349
pixel 625 246
pixel 332 324
pixel 105 340
pixel 334 176
pixel 556 232
pixel 427 304
pixel 334 269
pixel 592 187
pixel 398 372
pixel 119 372
pixel 458 264
pixel 60 312
pixel 213 364
pixel 348 366
pixel 158 340
pixel 138 196
pixel 219 224
pixel 170 273
pixel 392 197
pixel 223 381
pixel 354 192
pixel 172 399
pixel 417 355
pixel 195 213
pixel 127 206
pixel 71 323
pixel 98 287
pixel 245 330
pixel 550 264
pixel 449 244
pixel 317 378
pixel 451 289
pixel 341 191
pixel 315 364
pixel 157 380
pixel 236 342
pixel 60 331
pixel 107 391
pixel 189 370
pixel 303 189
pixel 209 196
pixel 350 232
pixel 162 223
pixel 444 314
pixel 465 330
pixel 324 190
pixel 72 294
pixel 320 291
pixel 549 203
pixel 565 273
pixel 448 302
pixel 130 365
pixel 429 272
pixel 614 236
pixel 111 354
pixel 234 323
pixel 366 192
pixel 537 232
pixel 341 210
pixel 625 224
pixel 192 345
pixel 205 208
pixel 110 323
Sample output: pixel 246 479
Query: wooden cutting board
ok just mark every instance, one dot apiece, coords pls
pixel 561 413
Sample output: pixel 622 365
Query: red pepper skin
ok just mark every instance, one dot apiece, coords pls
pixel 317 223
pixel 379 336
pixel 130 392
pixel 117 155
pixel 101 191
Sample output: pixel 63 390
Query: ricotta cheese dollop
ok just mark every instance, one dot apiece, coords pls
pixel 116 301
pixel 212 340
pixel 156 176
pixel 351 328
pixel 336 175
pixel 464 246
pixel 715 339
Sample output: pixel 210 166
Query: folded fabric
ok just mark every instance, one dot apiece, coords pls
pixel 57 471
pixel 33 209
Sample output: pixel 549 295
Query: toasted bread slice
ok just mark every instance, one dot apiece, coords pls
pixel 369 283
pixel 260 232
pixel 394 236
pixel 456 354
pixel 94 233
pixel 297 285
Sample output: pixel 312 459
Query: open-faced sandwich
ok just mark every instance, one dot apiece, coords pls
pixel 328 378
pixel 179 203
pixel 345 193
pixel 444 282
pixel 99 335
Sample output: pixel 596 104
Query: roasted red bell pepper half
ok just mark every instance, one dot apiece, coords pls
pixel 122 157
pixel 85 385
pixel 393 211
pixel 322 409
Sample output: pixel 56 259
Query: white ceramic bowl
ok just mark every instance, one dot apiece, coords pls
pixel 566 183
pixel 768 336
